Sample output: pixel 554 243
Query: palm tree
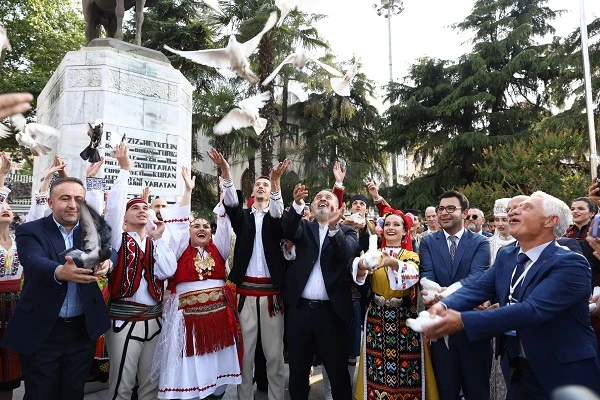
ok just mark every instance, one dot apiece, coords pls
pixel 248 18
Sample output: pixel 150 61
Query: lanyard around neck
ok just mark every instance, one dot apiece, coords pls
pixel 512 287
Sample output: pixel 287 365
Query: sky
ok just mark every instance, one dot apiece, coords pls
pixel 422 29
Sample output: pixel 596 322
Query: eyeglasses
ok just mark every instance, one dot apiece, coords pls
pixel 448 209
pixel 473 217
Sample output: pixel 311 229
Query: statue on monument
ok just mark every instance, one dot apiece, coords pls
pixel 109 14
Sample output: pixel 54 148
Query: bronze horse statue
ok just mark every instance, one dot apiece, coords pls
pixel 109 14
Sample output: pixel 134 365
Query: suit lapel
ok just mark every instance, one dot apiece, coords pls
pixel 463 244
pixel 440 240
pixel 537 266
pixel 77 238
pixel 314 227
pixel 54 235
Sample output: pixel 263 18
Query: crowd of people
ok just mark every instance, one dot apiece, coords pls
pixel 184 308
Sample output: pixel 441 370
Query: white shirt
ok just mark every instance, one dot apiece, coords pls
pixel 458 236
pixel 533 255
pixel 315 285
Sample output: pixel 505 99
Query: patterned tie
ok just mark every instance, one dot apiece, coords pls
pixel 453 239
pixel 521 261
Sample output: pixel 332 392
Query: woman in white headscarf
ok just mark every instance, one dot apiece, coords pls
pixel 501 236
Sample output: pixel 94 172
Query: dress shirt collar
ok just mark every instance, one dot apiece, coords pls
pixel 62 228
pixel 257 211
pixel 457 234
pixel 536 252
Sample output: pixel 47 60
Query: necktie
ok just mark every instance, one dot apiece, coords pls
pixel 453 240
pixel 521 261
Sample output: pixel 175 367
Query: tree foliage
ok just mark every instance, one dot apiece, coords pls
pixel 546 162
pixel 339 128
pixel 469 119
pixel 41 32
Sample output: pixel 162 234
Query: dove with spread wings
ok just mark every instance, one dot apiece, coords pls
pixel 244 115
pixel 234 56
pixel 299 60
pixel 91 153
pixel 342 85
pixel 29 135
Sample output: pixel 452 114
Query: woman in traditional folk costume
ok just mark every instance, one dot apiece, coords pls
pixel 393 362
pixel 10 288
pixel 200 349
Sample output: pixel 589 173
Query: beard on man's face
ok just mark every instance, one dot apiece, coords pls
pixel 321 214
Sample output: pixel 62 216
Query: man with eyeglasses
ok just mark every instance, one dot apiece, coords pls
pixel 543 291
pixel 455 254
pixel 474 222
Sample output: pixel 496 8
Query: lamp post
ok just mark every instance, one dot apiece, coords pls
pixel 387 9
pixel 588 90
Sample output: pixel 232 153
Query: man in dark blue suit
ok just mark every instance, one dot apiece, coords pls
pixel 61 311
pixel 454 254
pixel 543 291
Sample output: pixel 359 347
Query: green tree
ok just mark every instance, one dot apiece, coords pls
pixel 567 90
pixel 543 161
pixel 248 18
pixel 339 128
pixel 41 32
pixel 447 113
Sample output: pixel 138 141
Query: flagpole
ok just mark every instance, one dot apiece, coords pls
pixel 588 90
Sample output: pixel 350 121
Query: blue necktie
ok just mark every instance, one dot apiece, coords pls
pixel 521 261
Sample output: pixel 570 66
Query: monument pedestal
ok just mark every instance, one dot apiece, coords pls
pixel 135 91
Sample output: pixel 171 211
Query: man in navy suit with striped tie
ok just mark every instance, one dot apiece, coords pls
pixel 543 291
pixel 455 254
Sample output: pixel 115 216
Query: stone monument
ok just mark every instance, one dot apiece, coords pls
pixel 135 91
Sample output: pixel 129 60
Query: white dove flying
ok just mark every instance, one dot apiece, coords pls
pixel 234 56
pixel 4 43
pixel 30 135
pixel 286 6
pixel 299 60
pixel 244 115
pixel 342 85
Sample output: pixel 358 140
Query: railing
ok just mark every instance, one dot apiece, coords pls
pixel 11 178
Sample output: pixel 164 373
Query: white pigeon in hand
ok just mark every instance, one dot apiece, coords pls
pixel 234 56
pixel 299 60
pixel 434 288
pixel 244 115
pixel 31 135
pixel 342 85
pixel 4 43
pixel 424 321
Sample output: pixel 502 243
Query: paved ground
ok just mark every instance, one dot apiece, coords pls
pixel 97 391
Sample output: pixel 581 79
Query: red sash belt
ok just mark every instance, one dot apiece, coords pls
pixel 261 287
pixel 13 285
